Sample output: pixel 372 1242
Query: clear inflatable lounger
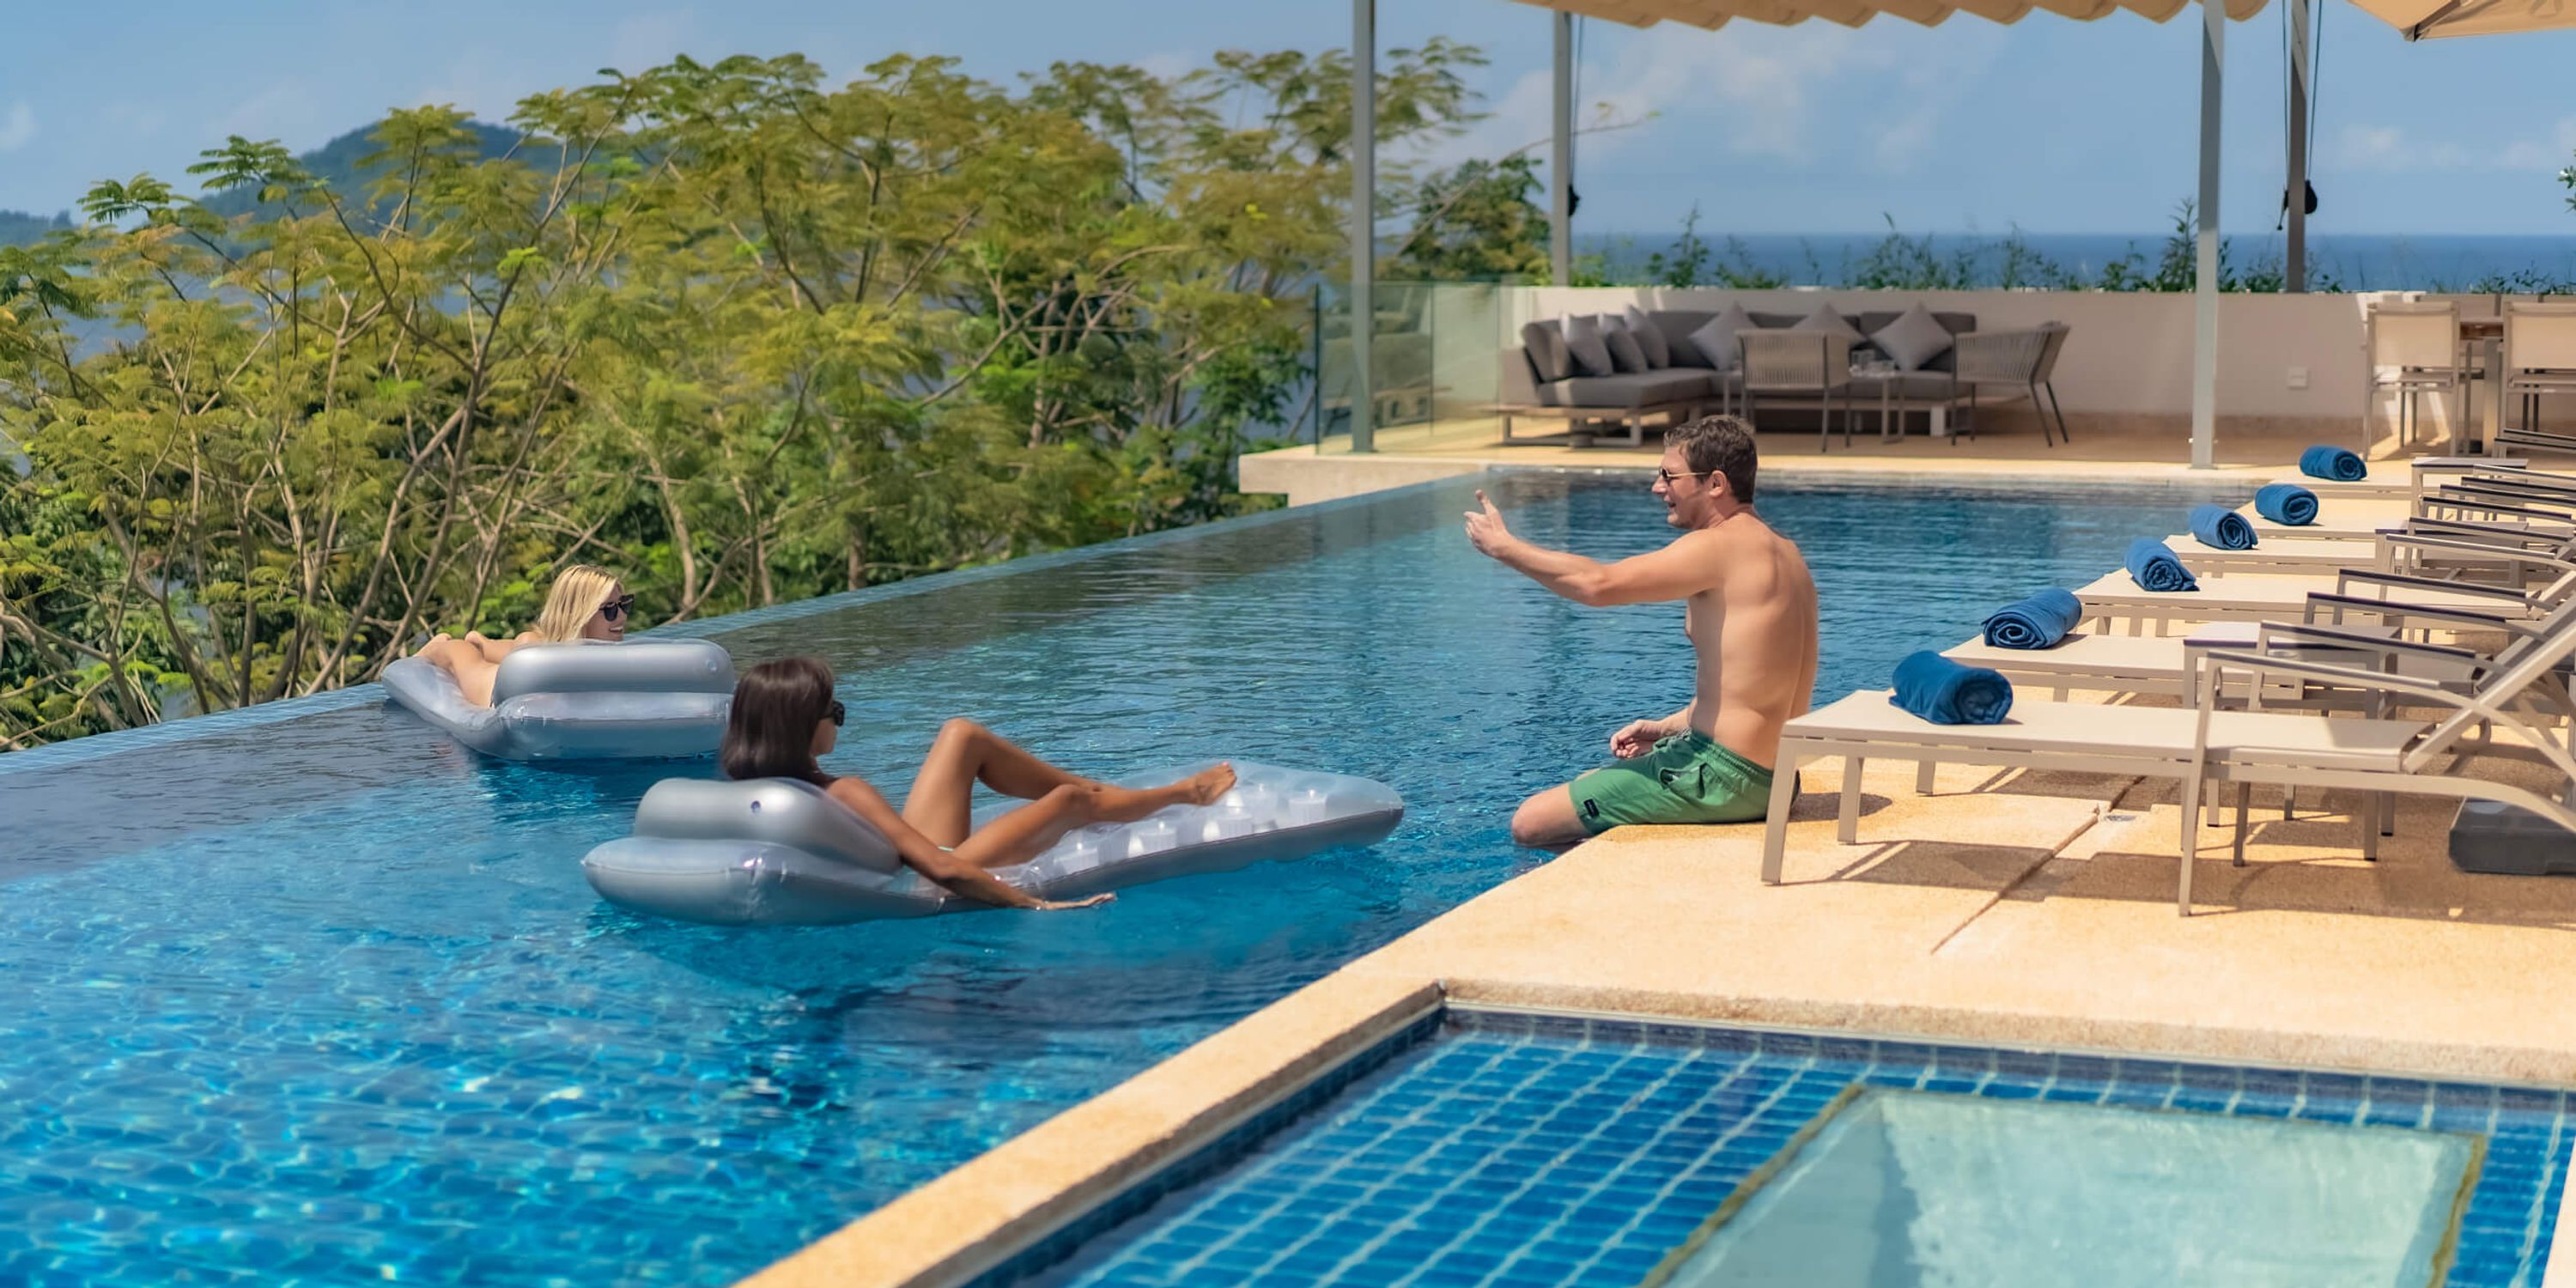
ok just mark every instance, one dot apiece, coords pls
pixel 588 701
pixel 775 851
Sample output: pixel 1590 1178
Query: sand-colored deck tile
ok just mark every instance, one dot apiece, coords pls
pixel 958 1225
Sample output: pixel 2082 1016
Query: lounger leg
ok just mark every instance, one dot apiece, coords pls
pixel 2190 837
pixel 2387 812
pixel 1923 778
pixel 2368 817
pixel 1775 834
pixel 2244 818
pixel 1847 821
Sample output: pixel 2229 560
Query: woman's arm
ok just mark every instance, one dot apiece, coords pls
pixel 922 856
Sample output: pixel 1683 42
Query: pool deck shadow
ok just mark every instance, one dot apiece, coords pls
pixel 2016 909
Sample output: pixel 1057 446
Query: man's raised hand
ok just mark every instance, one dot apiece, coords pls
pixel 1485 530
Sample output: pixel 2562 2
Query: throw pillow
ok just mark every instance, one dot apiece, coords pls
pixel 1650 337
pixel 1831 323
pixel 1913 339
pixel 1583 339
pixel 1546 345
pixel 1625 352
pixel 1715 338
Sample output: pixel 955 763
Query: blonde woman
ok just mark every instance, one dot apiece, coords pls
pixel 584 603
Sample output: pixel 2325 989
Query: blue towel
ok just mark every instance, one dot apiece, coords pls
pixel 2222 528
pixel 2326 461
pixel 2037 622
pixel 1944 692
pixel 2286 503
pixel 2153 566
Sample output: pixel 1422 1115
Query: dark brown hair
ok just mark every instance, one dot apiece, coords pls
pixel 770 733
pixel 1718 445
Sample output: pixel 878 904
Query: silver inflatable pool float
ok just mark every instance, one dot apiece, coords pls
pixel 775 851
pixel 588 701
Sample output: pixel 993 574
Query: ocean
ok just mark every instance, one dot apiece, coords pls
pixel 2346 261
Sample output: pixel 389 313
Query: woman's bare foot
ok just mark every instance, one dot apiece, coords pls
pixel 1203 787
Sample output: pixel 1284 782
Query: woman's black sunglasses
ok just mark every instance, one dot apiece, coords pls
pixel 837 713
pixel 618 607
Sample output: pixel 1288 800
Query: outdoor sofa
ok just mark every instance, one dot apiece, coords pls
pixel 1677 362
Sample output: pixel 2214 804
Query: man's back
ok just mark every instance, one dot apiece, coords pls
pixel 1755 633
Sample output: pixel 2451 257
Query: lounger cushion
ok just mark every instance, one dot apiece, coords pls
pixel 1545 342
pixel 1625 352
pixel 1914 338
pixel 1591 349
pixel 1651 338
pixel 1634 389
pixel 1715 338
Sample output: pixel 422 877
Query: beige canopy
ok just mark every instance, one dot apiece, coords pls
pixel 1852 13
pixel 2424 19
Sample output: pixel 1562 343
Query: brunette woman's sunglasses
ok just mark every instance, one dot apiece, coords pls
pixel 836 713
pixel 618 607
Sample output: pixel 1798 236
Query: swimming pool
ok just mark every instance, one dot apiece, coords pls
pixel 325 998
pixel 1498 1150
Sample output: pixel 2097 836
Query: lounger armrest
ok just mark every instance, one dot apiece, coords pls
pixel 2507 486
pixel 2498 534
pixel 2271 633
pixel 2426 612
pixel 2344 581
pixel 2215 664
pixel 2483 550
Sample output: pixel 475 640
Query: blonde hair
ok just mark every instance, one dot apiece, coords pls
pixel 577 593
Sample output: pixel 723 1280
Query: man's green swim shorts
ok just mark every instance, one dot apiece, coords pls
pixel 1687 778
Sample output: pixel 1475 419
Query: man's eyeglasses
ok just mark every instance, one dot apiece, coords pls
pixel 1669 475
pixel 617 608
pixel 836 713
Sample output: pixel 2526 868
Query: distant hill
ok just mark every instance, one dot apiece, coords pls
pixel 336 162
pixel 17 228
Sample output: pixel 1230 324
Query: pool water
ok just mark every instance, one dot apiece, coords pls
pixel 325 999
pixel 1492 1150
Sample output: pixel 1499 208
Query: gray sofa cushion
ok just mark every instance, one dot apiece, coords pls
pixel 1650 337
pixel 1914 338
pixel 1635 389
pixel 1625 350
pixel 1826 320
pixel 1591 350
pixel 1545 344
pixel 1715 338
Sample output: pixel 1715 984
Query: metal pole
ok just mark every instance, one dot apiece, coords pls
pixel 1363 219
pixel 1560 179
pixel 2294 262
pixel 2204 314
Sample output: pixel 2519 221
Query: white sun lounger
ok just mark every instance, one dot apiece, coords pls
pixel 2202 743
pixel 2117 597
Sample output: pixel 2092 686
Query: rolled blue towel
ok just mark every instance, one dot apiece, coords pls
pixel 2286 503
pixel 2037 622
pixel 1945 692
pixel 2222 528
pixel 2153 566
pixel 2327 461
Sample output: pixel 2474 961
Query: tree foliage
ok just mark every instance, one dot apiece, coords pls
pixel 739 335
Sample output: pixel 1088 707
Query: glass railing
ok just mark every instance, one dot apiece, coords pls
pixel 1435 363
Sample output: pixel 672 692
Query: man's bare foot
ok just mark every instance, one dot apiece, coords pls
pixel 1206 785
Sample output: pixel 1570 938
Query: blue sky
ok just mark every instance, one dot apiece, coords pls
pixel 2050 125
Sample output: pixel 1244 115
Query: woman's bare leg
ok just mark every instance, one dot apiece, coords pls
pixel 1020 835
pixel 474 673
pixel 940 804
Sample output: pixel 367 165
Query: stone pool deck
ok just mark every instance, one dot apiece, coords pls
pixel 2009 908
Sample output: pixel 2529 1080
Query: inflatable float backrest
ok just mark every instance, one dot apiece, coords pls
pixel 768 811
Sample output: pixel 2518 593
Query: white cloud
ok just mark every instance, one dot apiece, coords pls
pixel 2392 149
pixel 17 126
pixel 1170 65
pixel 2527 154
pixel 282 111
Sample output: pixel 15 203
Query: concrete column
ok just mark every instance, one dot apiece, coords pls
pixel 2204 314
pixel 1363 220
pixel 2294 260
pixel 1560 175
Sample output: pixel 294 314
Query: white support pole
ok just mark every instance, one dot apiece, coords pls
pixel 2204 313
pixel 1560 179
pixel 2294 260
pixel 1363 220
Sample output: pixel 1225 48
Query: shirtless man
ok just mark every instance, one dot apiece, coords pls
pixel 1751 619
